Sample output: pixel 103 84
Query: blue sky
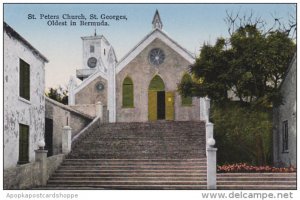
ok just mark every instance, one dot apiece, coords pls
pixel 189 24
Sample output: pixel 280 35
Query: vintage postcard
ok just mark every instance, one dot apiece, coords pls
pixel 150 97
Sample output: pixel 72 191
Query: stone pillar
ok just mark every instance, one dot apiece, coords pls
pixel 204 109
pixel 207 108
pixel 209 131
pixel 41 158
pixel 66 139
pixel 71 87
pixel 99 109
pixel 211 165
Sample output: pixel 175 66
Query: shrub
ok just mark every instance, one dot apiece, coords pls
pixel 242 134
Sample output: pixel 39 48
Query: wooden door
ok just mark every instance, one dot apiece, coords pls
pixel 23 144
pixel 169 105
pixel 152 105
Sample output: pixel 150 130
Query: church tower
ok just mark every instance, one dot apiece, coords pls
pixel 95 51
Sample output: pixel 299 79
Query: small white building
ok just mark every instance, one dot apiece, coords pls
pixel 24 101
pixel 285 122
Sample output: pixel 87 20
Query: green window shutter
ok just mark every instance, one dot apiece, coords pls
pixel 128 94
pixel 188 100
pixel 23 144
pixel 24 86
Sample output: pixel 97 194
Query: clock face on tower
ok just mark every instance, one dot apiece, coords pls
pixel 156 56
pixel 92 61
pixel 99 86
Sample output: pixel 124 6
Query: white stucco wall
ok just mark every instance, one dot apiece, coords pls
pixel 287 111
pixel 100 44
pixel 16 109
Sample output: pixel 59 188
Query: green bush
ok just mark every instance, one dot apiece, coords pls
pixel 242 134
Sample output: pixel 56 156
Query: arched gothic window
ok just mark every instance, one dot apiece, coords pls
pixel 128 94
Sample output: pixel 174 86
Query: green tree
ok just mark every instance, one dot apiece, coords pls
pixel 241 75
pixel 250 64
pixel 58 94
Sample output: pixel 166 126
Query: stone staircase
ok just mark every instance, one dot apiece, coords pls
pixel 261 181
pixel 151 155
pixel 157 155
pixel 130 174
pixel 147 140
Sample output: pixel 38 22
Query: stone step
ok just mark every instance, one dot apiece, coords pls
pixel 125 187
pixel 120 164
pixel 143 141
pixel 144 152
pixel 138 160
pixel 144 148
pixel 144 156
pixel 129 174
pixel 123 182
pixel 130 170
pixel 133 162
pixel 254 182
pixel 114 147
pixel 179 131
pixel 140 140
pixel 196 131
pixel 137 178
pixel 157 135
pixel 151 124
pixel 135 150
pixel 275 186
pixel 256 175
pixel 94 156
pixel 140 126
pixel 163 132
pixel 141 155
pixel 256 178
pixel 132 167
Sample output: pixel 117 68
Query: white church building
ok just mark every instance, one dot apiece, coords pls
pixel 142 86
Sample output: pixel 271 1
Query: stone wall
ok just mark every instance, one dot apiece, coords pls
pixel 63 115
pixel 286 112
pixel 89 109
pixel 28 175
pixel 141 72
pixel 16 109
pixel 53 163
